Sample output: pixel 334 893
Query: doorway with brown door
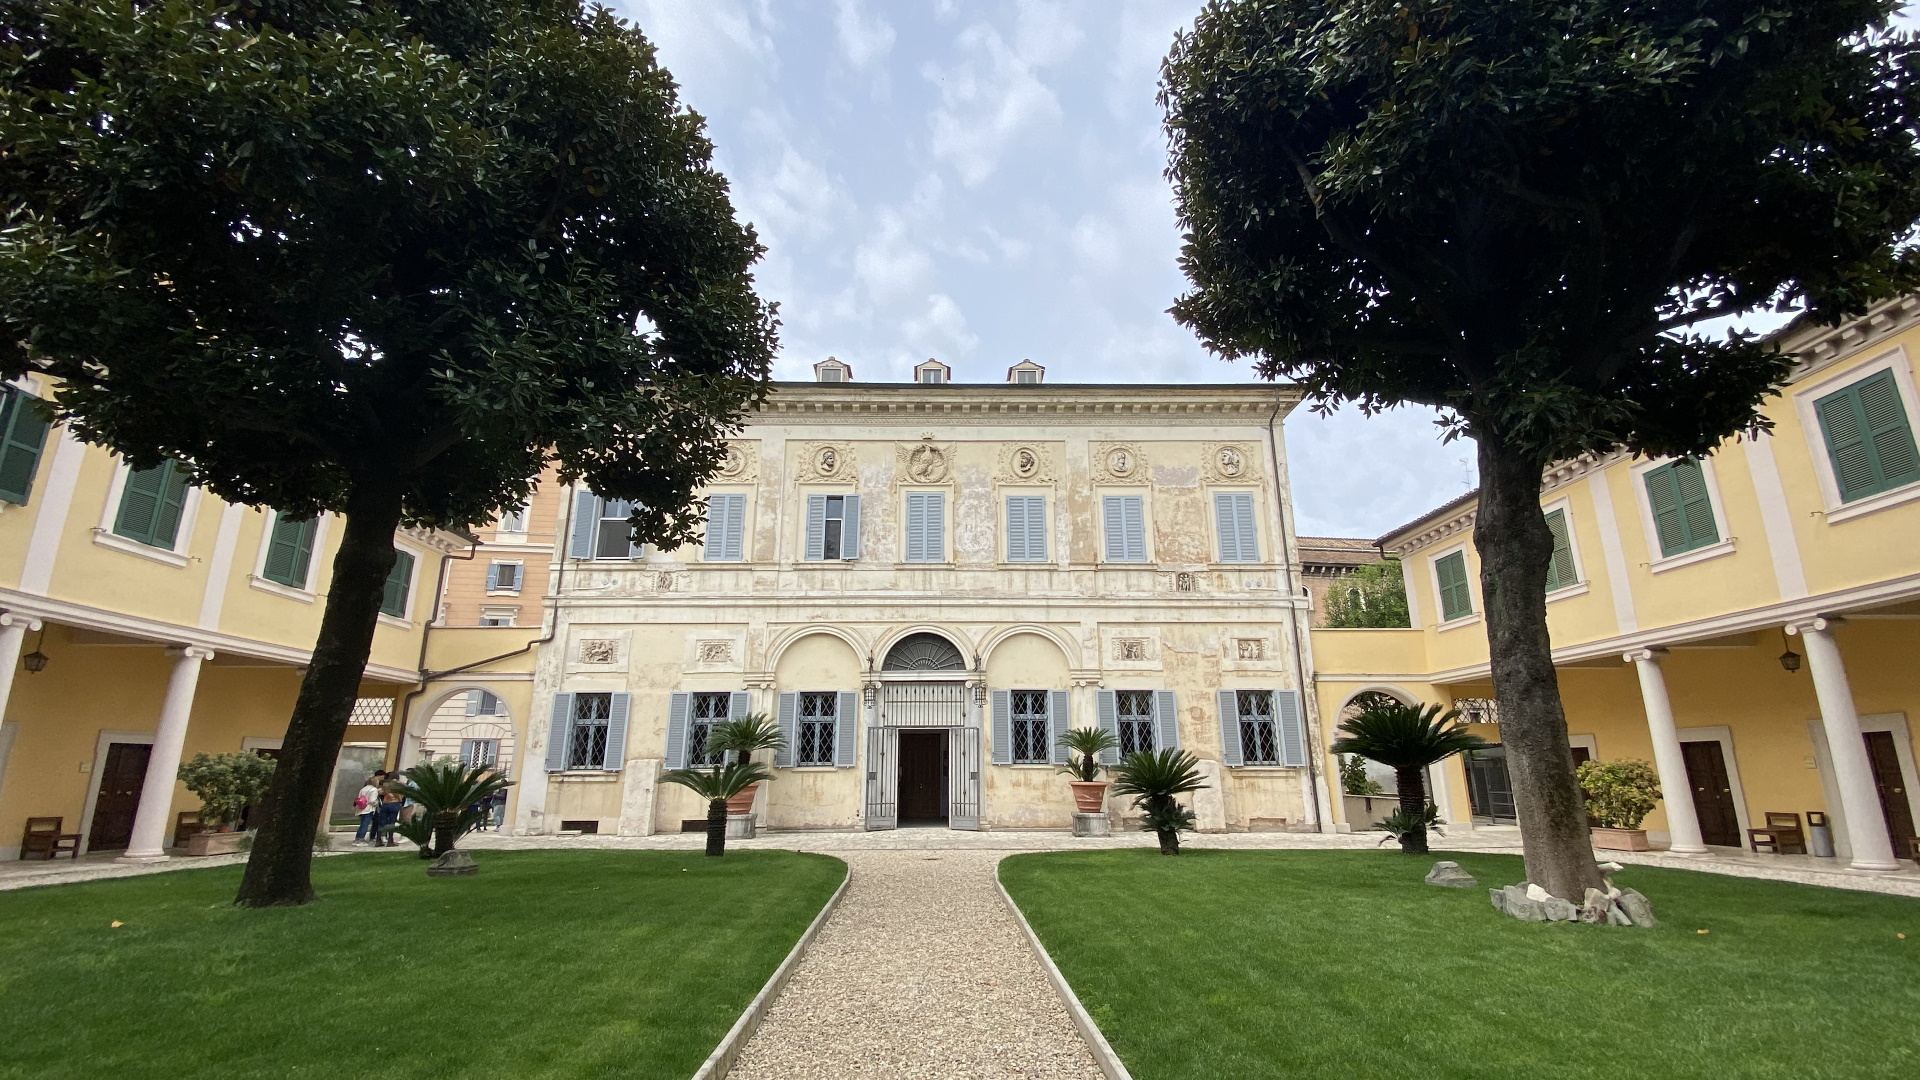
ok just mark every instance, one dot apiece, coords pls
pixel 122 775
pixel 923 777
pixel 1895 805
pixel 1712 793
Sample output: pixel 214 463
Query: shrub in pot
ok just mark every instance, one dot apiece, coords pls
pixel 1620 795
pixel 225 783
pixel 1084 746
pixel 740 737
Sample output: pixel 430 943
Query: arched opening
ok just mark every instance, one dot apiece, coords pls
pixel 924 652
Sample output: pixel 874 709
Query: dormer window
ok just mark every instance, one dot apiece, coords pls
pixel 832 370
pixel 1026 373
pixel 932 373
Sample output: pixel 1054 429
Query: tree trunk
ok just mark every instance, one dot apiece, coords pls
pixel 716 827
pixel 443 829
pixel 1169 842
pixel 279 871
pixel 1413 803
pixel 1515 547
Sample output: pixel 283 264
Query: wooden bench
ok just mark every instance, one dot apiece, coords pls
pixel 44 838
pixel 185 825
pixel 1782 835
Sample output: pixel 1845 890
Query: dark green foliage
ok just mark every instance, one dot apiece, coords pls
pixel 1406 739
pixel 1353 777
pixel 226 783
pixel 645 957
pixel 387 258
pixel 1086 744
pixel 1410 828
pixel 717 785
pixel 1296 965
pixel 1154 779
pixel 1371 597
pixel 744 735
pixel 446 792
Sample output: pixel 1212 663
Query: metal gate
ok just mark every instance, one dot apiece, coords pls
pixel 923 705
pixel 963 777
pixel 883 779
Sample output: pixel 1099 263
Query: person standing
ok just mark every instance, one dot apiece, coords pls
pixel 390 802
pixel 367 805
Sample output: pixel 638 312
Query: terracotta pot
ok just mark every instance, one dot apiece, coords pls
pixel 1088 795
pixel 1621 839
pixel 214 843
pixel 743 802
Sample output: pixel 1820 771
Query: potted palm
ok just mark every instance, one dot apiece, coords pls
pixel 1154 779
pixel 1620 795
pixel 447 793
pixel 717 785
pixel 1084 745
pixel 1407 739
pixel 740 737
pixel 226 783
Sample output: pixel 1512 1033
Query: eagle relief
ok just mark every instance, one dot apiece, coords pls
pixel 925 463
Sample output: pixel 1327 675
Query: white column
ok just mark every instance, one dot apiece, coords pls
pixel 1852 772
pixel 150 824
pixel 13 634
pixel 1683 822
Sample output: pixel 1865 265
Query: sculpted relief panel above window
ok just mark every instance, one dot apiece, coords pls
pixel 828 463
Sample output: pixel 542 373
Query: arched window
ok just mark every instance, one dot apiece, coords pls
pixel 924 652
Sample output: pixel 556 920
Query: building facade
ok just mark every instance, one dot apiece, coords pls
pixel 1749 621
pixel 925 584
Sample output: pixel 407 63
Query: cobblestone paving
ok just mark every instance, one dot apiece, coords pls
pixel 920 973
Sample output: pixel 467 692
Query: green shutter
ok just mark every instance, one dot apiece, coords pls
pixel 1560 570
pixel 1869 440
pixel 23 433
pixel 290 551
pixel 1456 600
pixel 151 501
pixel 393 599
pixel 1682 509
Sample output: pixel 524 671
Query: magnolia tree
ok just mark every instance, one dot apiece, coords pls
pixel 387 259
pixel 1515 211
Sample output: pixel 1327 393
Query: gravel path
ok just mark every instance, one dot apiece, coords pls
pixel 920 973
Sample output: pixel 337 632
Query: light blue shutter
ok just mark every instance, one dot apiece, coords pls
pixel 1113 514
pixel 616 758
pixel 1166 720
pixel 726 528
pixel 916 528
pixel 473 701
pixel 740 705
pixel 586 523
pixel 1293 736
pixel 846 716
pixel 1136 519
pixel 1106 709
pixel 1059 719
pixel 557 730
pixel 1026 528
pixel 1003 727
pixel 1230 752
pixel 816 539
pixel 678 706
pixel 493 576
pixel 1249 534
pixel 1016 528
pixel 1233 520
pixel 788 715
pixel 850 529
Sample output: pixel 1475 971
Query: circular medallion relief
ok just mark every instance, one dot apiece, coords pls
pixel 735 462
pixel 1231 461
pixel 1120 461
pixel 1025 462
pixel 926 464
pixel 826 461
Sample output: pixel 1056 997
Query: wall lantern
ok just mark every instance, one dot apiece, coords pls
pixel 1789 659
pixel 36 661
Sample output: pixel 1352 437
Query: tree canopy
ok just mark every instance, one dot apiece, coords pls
pixel 1369 597
pixel 383 257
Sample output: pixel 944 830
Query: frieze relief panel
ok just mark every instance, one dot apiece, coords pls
pixel 715 649
pixel 599 648
pixel 827 463
pixel 1229 463
pixel 1130 647
pixel 925 462
pixel 1119 463
pixel 1025 463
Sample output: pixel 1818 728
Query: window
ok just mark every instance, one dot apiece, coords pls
pixel 601 529
pixel 479 753
pixel 833 527
pixel 1030 742
pixel 393 598
pixel 832 373
pixel 503 577
pixel 513 521
pixel 708 710
pixel 819 716
pixel 482 703
pixel 1259 744
pixel 932 375
pixel 1682 510
pixel 1026 528
pixel 491 615
pixel 150 505
pixel 1233 520
pixel 1456 596
pixel 1135 710
pixel 587 735
pixel 289 551
pixel 926 526
pixel 23 434
pixel 1869 438
pixel 1026 376
pixel 1126 531
pixel 1561 573
pixel 726 528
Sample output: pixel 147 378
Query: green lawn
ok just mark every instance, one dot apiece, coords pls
pixel 1221 964
pixel 546 964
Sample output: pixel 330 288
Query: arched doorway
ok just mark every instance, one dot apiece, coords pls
pixel 923 749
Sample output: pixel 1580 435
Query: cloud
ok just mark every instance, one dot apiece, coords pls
pixel 863 39
pixel 994 96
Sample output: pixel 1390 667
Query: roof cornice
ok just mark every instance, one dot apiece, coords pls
pixel 1002 403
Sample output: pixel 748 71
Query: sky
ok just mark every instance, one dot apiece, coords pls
pixel 981 182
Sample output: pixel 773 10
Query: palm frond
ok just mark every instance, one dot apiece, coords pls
pixel 745 734
pixel 445 784
pixel 1163 774
pixel 1405 736
pixel 721 783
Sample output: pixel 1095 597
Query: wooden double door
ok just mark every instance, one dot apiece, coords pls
pixel 121 777
pixel 1896 805
pixel 1712 788
pixel 923 776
